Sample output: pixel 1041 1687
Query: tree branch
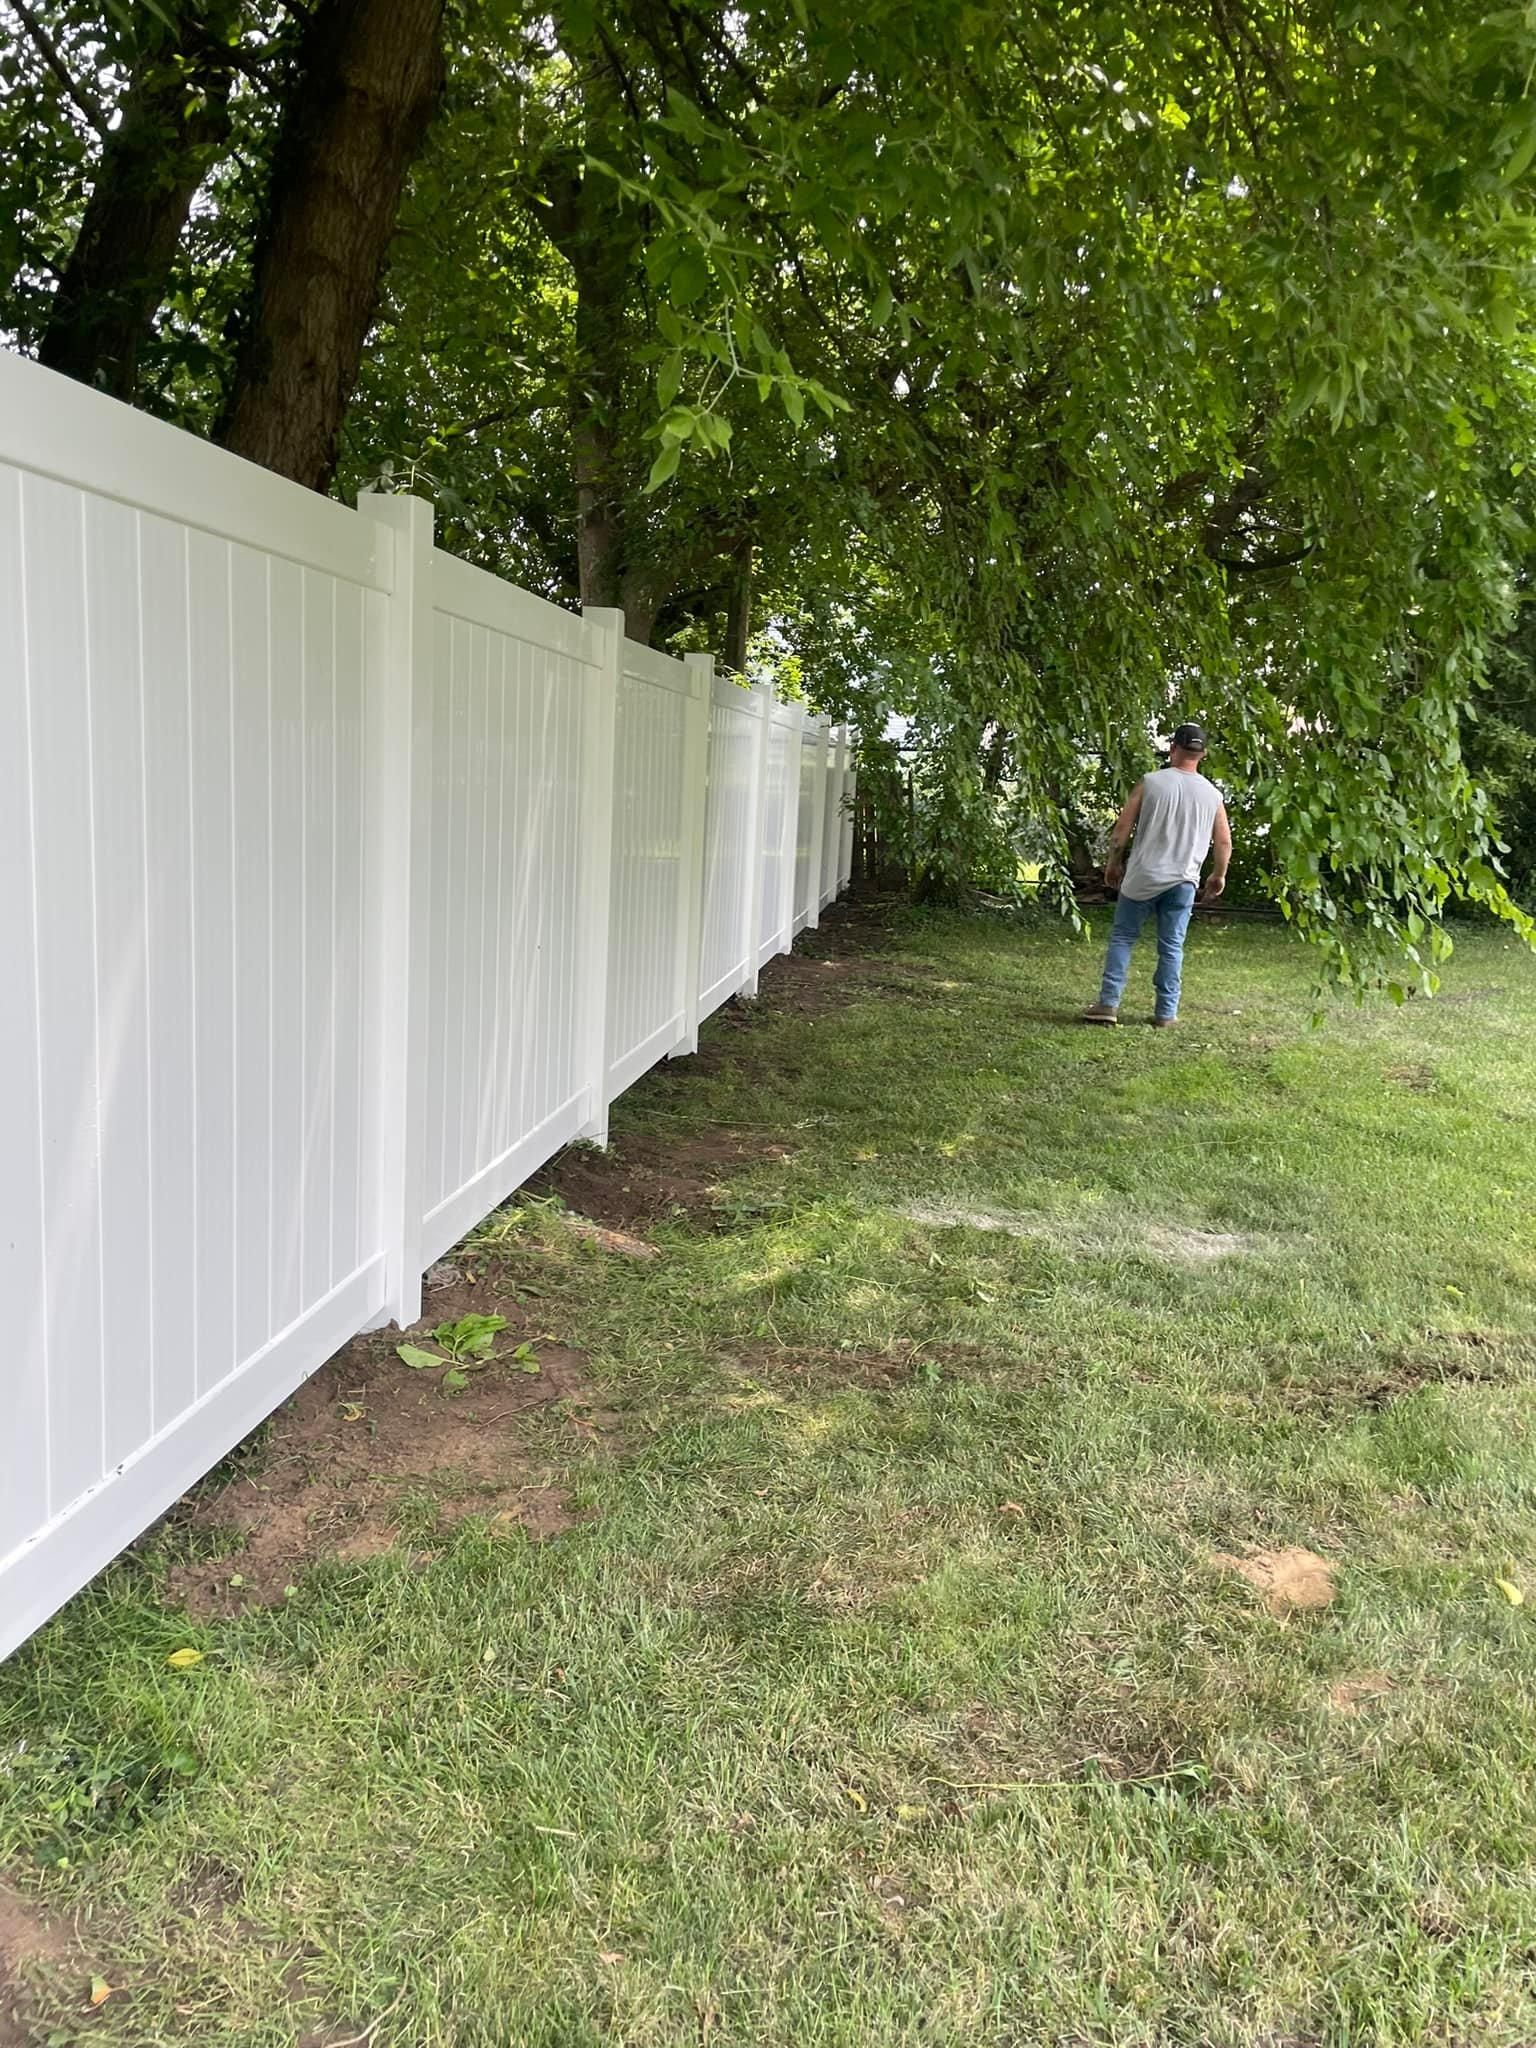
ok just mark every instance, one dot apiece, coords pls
pixel 48 50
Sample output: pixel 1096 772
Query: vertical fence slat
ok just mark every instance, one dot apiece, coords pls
pixel 690 867
pixel 24 1461
pixel 818 820
pixel 113 653
pixel 290 890
pixel 595 890
pixel 400 856
pixel 761 700
pixel 210 570
pixel 170 862
pixel 252 776
pixel 66 952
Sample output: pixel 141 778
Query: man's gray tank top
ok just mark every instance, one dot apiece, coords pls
pixel 1173 832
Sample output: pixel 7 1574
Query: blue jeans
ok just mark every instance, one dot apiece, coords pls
pixel 1172 910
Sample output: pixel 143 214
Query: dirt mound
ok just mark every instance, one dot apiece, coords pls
pixel 369 1435
pixel 1290 1581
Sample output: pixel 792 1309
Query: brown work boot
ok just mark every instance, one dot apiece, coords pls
pixel 1101 1013
pixel 1164 1023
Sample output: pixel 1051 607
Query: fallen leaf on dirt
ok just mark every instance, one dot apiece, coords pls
pixel 1351 1694
pixel 1511 1592
pixel 857 1799
pixel 618 1241
pixel 183 1660
pixel 417 1359
pixel 1287 1581
pixel 101 1991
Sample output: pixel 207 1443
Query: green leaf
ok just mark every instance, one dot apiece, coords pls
pixel 472 1336
pixel 1523 156
pixel 664 466
pixel 669 379
pixel 417 1359
pixel 689 280
pixel 880 311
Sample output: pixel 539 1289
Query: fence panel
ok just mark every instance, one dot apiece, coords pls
pixel 343 884
pixel 810 795
pixel 646 1010
pixel 832 836
pixel 183 1033
pixel 735 726
pixel 504 1088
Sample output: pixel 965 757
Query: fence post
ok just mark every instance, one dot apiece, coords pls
pixel 832 851
pixel 600 714
pixel 399 862
pixel 690 924
pixel 757 799
pixel 793 765
pixel 818 821
pixel 849 825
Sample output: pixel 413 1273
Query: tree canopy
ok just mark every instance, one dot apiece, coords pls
pixel 1041 374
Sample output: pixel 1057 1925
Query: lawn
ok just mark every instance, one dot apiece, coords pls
pixel 845 1656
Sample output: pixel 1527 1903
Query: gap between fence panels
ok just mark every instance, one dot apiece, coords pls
pixel 386 878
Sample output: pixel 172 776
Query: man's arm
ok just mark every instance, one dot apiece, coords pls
pixel 1119 838
pixel 1221 847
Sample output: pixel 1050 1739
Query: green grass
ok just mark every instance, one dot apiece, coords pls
pixel 905 1705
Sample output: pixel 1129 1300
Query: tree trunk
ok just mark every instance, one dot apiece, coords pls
pixel 738 623
pixel 599 235
pixel 174 120
pixel 370 73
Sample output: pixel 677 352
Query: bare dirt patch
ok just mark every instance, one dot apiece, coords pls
pixel 1417 1077
pixel 1358 1694
pixel 1287 1581
pixel 1113 1733
pixel 29 1941
pixel 367 1435
pixel 641 1179
pixel 1381 1377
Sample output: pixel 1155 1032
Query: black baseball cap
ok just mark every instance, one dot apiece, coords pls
pixel 1190 738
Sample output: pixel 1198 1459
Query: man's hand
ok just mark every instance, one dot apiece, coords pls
pixel 1215 886
pixel 1114 871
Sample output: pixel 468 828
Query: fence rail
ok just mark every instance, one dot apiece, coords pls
pixel 341 884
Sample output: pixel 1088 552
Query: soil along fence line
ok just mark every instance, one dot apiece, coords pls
pixel 343 884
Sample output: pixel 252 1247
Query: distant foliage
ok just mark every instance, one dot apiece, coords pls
pixel 1040 374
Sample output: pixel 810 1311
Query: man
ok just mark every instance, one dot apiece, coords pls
pixel 1176 816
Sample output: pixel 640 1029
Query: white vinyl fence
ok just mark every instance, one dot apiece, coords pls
pixel 341 884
